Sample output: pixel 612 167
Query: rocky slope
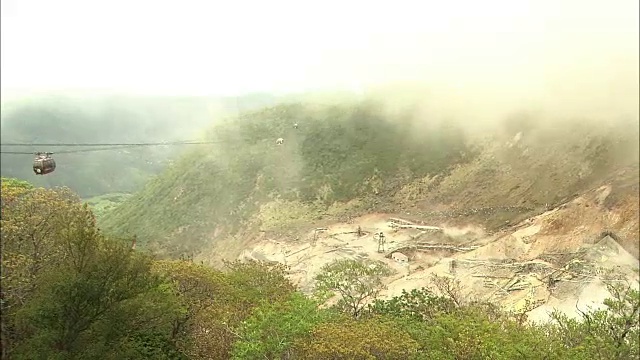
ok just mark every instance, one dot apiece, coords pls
pixel 555 260
pixel 575 180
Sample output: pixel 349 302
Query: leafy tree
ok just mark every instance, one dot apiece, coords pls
pixel 14 185
pixel 609 333
pixel 34 220
pixel 273 327
pixel 148 322
pixel 355 281
pixel 449 287
pixel 470 334
pixel 67 291
pixel 199 291
pixel 214 303
pixel 256 281
pixel 75 298
pixel 348 338
pixel 421 304
pixel 445 330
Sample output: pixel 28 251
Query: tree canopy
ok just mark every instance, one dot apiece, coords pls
pixel 70 292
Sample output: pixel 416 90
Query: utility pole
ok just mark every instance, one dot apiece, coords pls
pixel 381 241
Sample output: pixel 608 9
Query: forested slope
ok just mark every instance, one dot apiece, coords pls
pixel 70 292
pixel 355 158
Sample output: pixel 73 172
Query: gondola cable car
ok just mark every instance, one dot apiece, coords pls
pixel 43 163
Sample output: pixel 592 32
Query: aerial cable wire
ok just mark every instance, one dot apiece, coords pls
pixel 44 164
pixel 69 151
pixel 90 148
pixel 104 146
pixel 186 142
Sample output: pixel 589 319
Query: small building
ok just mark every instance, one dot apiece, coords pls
pixel 400 257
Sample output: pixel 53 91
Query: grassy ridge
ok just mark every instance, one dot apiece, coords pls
pixel 337 154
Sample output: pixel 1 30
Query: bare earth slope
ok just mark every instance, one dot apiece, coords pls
pixel 530 243
pixel 521 205
pixel 552 260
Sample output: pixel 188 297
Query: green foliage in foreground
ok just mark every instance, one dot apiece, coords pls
pixel 70 293
pixel 356 282
pixel 273 327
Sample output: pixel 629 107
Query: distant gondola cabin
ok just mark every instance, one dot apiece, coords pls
pixel 43 164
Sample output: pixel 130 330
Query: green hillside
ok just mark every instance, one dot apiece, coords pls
pixel 337 154
pixel 70 292
pixel 355 158
pixel 73 119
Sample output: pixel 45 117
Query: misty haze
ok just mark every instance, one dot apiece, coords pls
pixel 300 180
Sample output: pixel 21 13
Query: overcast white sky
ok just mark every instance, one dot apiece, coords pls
pixel 227 47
